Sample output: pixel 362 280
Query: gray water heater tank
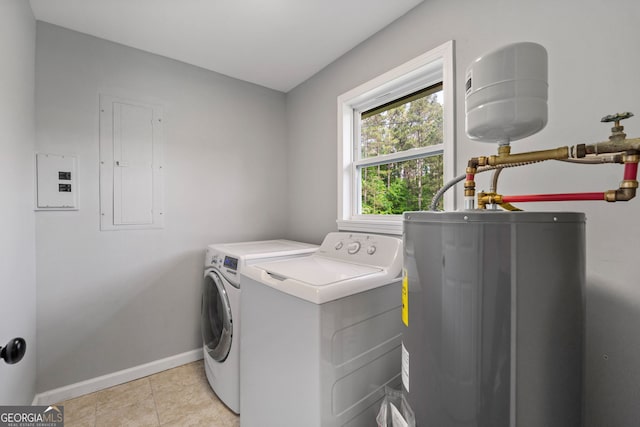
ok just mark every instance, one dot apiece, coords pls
pixel 493 312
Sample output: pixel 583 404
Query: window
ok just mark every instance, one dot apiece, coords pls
pixel 395 143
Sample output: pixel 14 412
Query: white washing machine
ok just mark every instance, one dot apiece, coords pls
pixel 220 314
pixel 322 334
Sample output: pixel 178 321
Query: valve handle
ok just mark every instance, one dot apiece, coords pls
pixel 616 117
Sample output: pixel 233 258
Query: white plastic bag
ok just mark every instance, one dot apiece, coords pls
pixel 395 410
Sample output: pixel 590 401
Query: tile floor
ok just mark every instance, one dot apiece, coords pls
pixel 177 397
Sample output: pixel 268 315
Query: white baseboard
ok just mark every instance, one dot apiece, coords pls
pixel 105 381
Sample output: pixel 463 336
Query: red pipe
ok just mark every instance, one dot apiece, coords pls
pixel 630 171
pixel 553 197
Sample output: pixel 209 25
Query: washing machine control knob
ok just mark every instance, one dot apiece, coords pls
pixel 338 246
pixel 353 247
pixel 371 250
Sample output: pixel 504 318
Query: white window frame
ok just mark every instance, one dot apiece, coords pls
pixel 434 66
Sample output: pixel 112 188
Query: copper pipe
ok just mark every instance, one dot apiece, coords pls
pixel 532 156
pixel 506 159
pixel 626 192
pixel 615 147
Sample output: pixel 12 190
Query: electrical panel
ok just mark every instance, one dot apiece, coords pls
pixel 131 183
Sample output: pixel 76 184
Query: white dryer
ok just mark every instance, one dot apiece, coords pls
pixel 322 334
pixel 220 314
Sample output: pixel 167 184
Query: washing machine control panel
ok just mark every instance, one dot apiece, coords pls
pixel 219 260
pixel 230 262
pixel 369 249
pixel 225 264
pixel 213 260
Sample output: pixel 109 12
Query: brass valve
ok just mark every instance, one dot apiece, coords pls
pixel 617 129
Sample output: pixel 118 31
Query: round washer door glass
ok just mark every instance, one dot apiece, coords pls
pixel 216 321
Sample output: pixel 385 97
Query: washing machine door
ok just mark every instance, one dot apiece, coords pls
pixel 216 320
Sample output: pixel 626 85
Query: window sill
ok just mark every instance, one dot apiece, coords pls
pixel 391 225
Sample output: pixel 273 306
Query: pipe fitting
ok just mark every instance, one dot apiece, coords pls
pixel 485 199
pixel 580 151
pixel 482 200
pixel 470 184
pixel 471 191
pixel 620 195
pixel 610 195
pixel 626 194
pixel 504 150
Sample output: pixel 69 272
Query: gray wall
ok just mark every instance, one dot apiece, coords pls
pixel 117 299
pixel 17 237
pixel 593 65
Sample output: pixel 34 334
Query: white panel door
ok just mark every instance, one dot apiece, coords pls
pixel 132 164
pixel 131 185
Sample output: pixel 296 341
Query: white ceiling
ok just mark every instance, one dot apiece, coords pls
pixel 273 43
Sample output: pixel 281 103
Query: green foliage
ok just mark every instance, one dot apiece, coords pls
pixel 395 188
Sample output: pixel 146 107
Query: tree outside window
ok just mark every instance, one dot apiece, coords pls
pixel 412 122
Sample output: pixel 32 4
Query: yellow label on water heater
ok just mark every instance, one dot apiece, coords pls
pixel 405 298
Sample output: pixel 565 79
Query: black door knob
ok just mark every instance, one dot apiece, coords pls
pixel 14 351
